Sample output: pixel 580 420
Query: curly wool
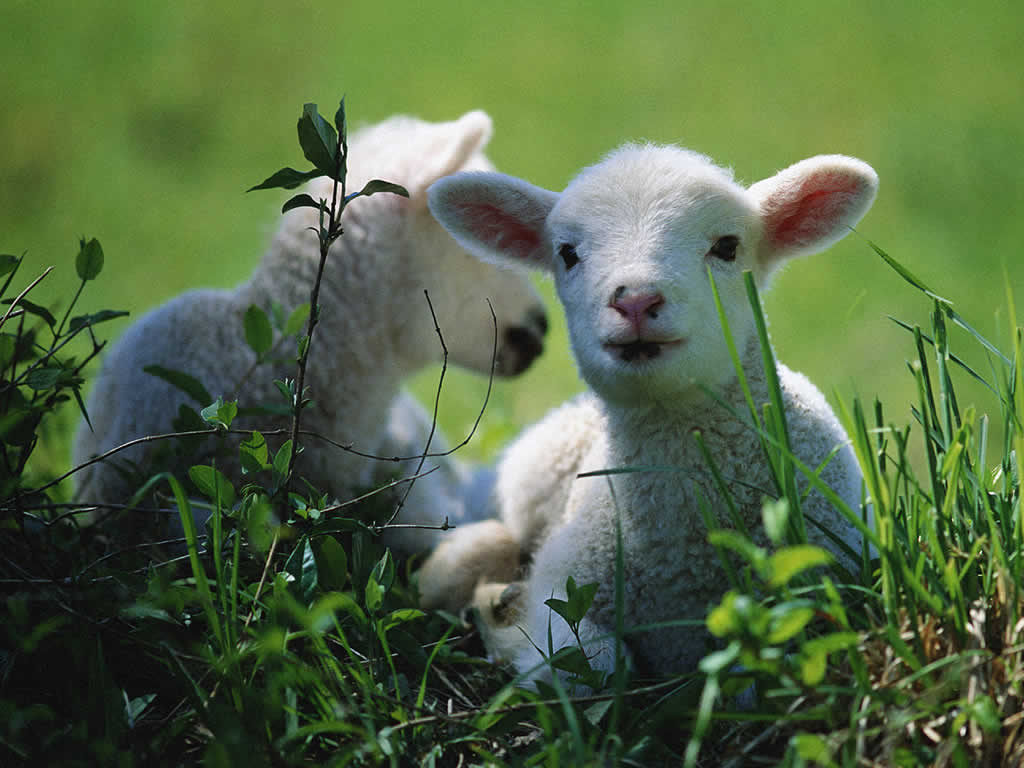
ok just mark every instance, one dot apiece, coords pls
pixel 374 330
pixel 631 243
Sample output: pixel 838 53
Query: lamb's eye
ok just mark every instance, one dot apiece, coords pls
pixel 725 248
pixel 568 254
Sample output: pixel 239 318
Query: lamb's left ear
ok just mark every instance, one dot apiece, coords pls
pixel 452 146
pixel 811 205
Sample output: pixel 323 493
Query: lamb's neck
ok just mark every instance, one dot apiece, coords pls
pixel 640 434
pixel 353 346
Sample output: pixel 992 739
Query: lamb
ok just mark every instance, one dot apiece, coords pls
pixel 630 243
pixel 375 329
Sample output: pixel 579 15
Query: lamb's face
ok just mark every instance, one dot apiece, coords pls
pixel 632 240
pixel 418 254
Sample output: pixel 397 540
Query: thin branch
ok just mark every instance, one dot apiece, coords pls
pixel 433 420
pixel 386 487
pixel 22 295
pixel 263 579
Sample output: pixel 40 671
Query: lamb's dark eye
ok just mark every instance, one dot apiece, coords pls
pixel 725 248
pixel 568 254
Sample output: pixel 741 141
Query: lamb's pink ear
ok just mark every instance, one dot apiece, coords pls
pixel 494 216
pixel 813 204
pixel 451 147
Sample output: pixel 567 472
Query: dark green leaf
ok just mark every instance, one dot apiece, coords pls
pixel 190 385
pixel 282 459
pixel 7 263
pixel 34 309
pixel 18 426
pixel 559 606
pixel 258 333
pixel 375 186
pixel 90 259
pixel 8 344
pixel 340 122
pixel 580 598
pixel 95 318
pixel 318 140
pixel 41 379
pixel 286 178
pixel 331 562
pixel 286 388
pixel 573 661
pixel 401 616
pixel 253 453
pixel 297 319
pixel 213 484
pixel 301 564
pixel 302 200
pixel 81 405
pixel 384 570
pixel 220 414
pixel 373 596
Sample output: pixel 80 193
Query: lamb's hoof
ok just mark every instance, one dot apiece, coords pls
pixel 507 607
pixel 499 604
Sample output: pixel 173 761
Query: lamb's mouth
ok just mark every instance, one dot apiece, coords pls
pixel 641 349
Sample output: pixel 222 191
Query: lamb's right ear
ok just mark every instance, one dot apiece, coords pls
pixel 494 216
pixel 811 205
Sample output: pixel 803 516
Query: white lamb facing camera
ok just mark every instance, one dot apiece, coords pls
pixel 630 242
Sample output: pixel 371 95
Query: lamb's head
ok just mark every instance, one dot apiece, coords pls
pixel 417 254
pixel 631 241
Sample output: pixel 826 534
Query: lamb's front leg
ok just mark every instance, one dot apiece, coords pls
pixel 468 555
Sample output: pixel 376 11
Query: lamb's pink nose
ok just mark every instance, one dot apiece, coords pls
pixel 636 308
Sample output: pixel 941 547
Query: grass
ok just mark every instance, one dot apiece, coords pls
pixel 310 648
pixel 305 644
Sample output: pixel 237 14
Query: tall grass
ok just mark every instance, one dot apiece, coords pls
pixel 308 646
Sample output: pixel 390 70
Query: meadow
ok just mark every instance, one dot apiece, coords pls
pixel 142 125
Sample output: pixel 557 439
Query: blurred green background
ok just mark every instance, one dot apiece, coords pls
pixel 143 123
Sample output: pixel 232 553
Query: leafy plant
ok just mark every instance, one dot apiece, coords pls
pixel 286 634
pixel 37 373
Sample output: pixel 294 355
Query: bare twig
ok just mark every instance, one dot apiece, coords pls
pixel 263 579
pixel 437 400
pixel 24 293
pixel 433 420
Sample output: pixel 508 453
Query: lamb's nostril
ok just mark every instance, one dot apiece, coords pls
pixel 634 308
pixel 540 319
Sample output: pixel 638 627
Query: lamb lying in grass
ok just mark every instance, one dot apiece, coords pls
pixel 630 243
pixel 375 329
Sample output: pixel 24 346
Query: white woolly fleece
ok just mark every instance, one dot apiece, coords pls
pixel 630 243
pixel 375 329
